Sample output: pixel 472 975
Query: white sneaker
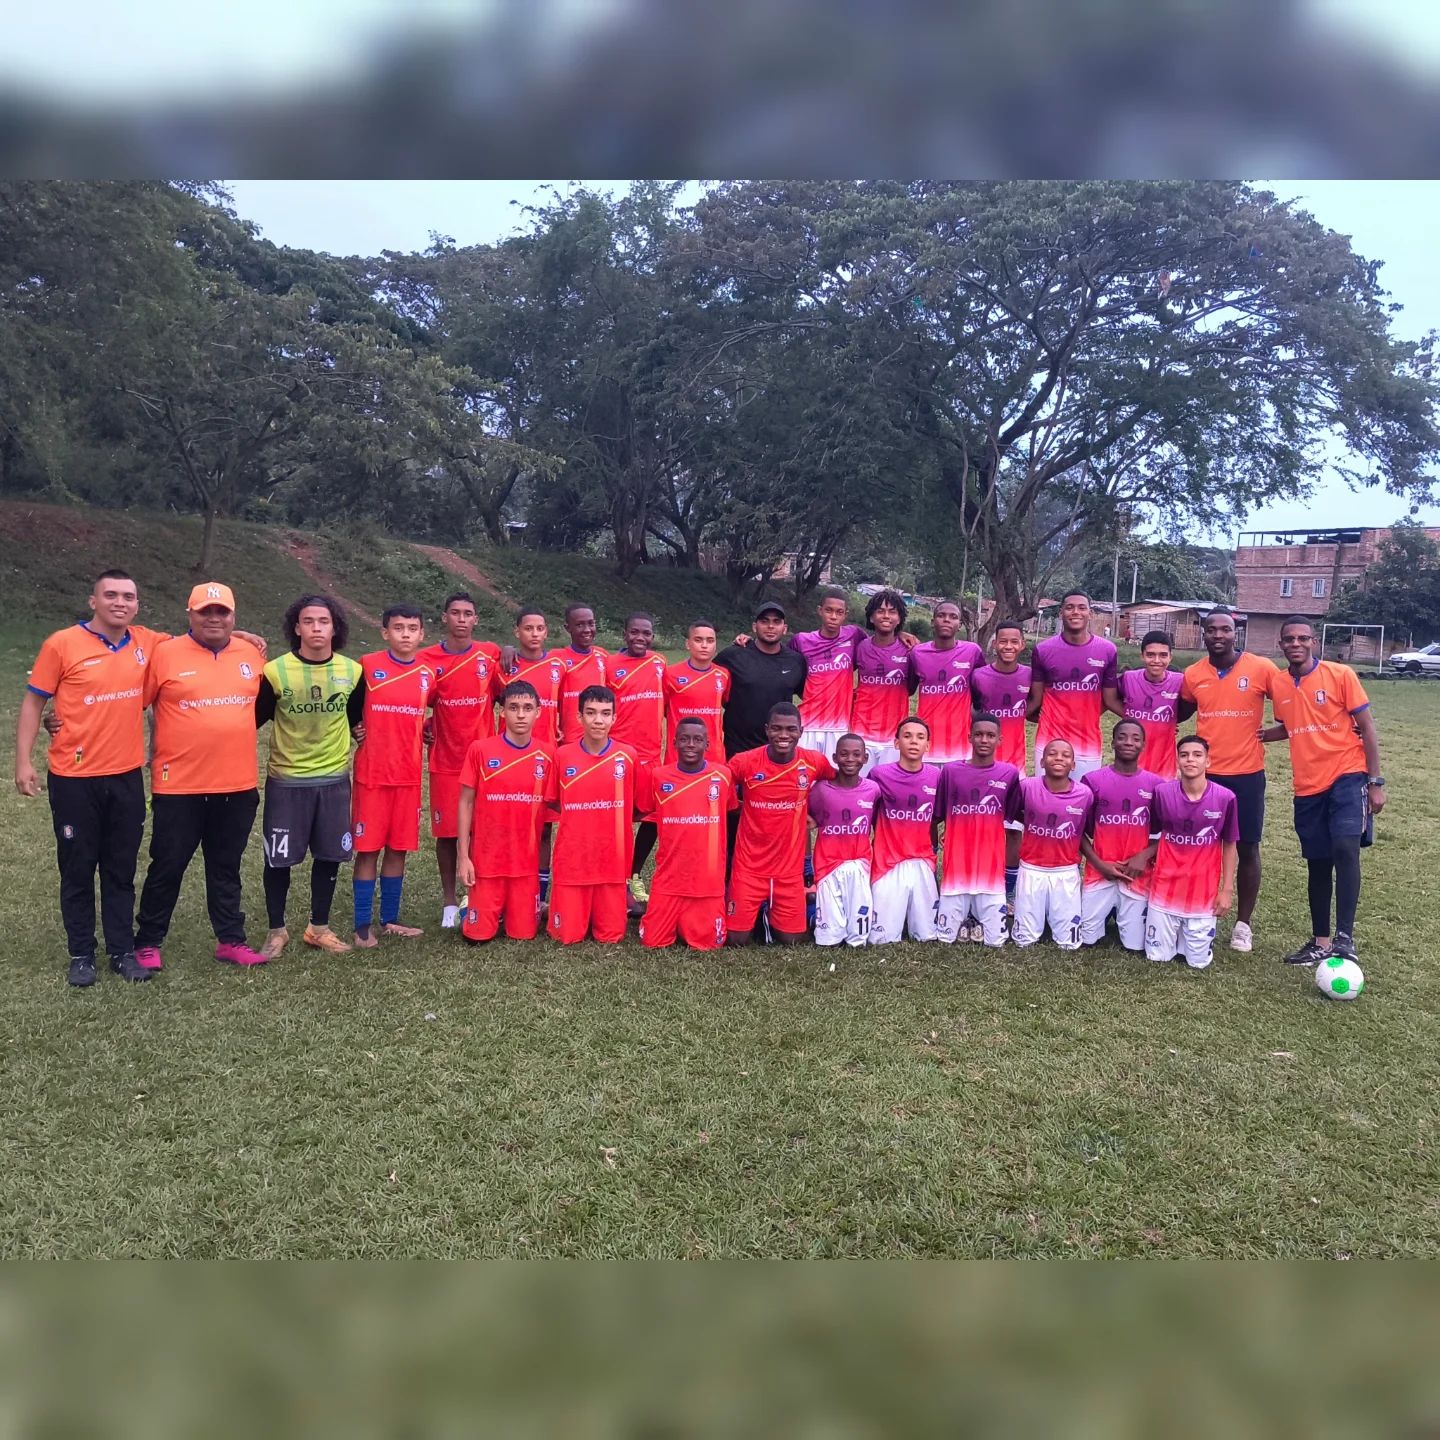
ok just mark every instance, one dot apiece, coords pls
pixel 1241 938
pixel 450 918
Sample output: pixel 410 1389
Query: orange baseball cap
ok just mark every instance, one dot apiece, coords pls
pixel 211 592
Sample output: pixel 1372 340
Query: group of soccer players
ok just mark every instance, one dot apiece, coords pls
pixel 542 760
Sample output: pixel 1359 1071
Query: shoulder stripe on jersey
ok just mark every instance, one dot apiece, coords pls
pixel 595 762
pixel 619 683
pixel 707 774
pixel 778 775
pixel 524 756
pixel 374 684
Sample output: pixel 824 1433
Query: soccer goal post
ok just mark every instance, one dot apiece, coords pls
pixel 1353 644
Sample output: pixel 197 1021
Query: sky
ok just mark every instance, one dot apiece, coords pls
pixel 1394 221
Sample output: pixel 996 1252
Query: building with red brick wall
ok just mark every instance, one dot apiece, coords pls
pixel 1298 572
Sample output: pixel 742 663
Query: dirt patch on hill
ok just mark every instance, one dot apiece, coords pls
pixel 302 552
pixel 459 565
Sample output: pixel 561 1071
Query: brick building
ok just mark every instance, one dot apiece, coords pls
pixel 1297 572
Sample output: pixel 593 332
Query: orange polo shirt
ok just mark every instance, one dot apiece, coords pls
pixel 1230 709
pixel 1318 710
pixel 204 703
pixel 99 694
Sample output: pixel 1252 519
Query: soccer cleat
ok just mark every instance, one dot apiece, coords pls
pixel 449 917
pixel 638 893
pixel 128 967
pixel 82 971
pixel 322 937
pixel 1308 954
pixel 233 954
pixel 394 927
pixel 275 942
pixel 1241 937
pixel 1344 945
pixel 147 957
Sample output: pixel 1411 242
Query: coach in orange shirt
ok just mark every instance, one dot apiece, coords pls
pixel 1335 755
pixel 1226 693
pixel 204 776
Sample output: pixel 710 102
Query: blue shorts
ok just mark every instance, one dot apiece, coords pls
pixel 1249 793
pixel 1341 812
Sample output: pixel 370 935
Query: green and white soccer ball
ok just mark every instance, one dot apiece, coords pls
pixel 1339 978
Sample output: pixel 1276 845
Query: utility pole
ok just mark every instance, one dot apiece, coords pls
pixel 1115 598
pixel 1134 578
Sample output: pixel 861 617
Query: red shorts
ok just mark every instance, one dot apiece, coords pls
pixel 786 897
pixel 699 923
pixel 384 817
pixel 578 911
pixel 512 898
pixel 444 805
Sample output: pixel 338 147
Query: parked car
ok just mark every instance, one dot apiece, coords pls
pixel 1425 661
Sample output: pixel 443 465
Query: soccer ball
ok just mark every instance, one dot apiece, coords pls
pixel 1339 978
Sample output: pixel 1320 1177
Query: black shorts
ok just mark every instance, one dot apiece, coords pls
pixel 1249 793
pixel 1341 812
pixel 306 817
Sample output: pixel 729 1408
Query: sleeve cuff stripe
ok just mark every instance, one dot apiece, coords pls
pixel 43 694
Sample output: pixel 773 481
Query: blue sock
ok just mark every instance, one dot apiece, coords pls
pixel 364 891
pixel 390 888
pixel 1011 876
pixel 544 884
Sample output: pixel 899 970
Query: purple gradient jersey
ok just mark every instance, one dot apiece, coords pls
pixel 843 816
pixel 882 689
pixel 1120 821
pixel 903 815
pixel 829 676
pixel 943 678
pixel 1005 696
pixel 1156 707
pixel 1074 677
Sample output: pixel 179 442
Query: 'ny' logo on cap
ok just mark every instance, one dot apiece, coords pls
pixel 212 592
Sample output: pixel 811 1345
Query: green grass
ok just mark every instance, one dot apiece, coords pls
pixel 522 1100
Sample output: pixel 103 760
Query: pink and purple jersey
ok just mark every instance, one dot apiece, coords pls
pixel 829 676
pixel 944 696
pixel 1156 707
pixel 1186 877
pixel 904 811
pixel 1074 676
pixel 844 819
pixel 882 689
pixel 975 802
pixel 1054 823
pixel 1005 697
pixel 1120 822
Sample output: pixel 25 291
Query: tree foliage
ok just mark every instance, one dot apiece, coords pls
pixel 1401 591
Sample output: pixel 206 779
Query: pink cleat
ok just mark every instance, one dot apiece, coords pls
pixel 147 957
pixel 239 955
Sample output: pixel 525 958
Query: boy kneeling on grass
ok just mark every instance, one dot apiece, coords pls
pixel 1195 857
pixel 1057 814
pixel 502 809
pixel 843 812
pixel 592 786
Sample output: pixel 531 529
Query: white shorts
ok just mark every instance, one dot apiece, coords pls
pixel 1096 904
pixel 1047 897
pixel 1084 764
pixel 824 741
pixel 878 752
pixel 905 897
pixel 843 905
pixel 1168 935
pixel 988 909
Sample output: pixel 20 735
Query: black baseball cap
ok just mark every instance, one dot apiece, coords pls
pixel 766 606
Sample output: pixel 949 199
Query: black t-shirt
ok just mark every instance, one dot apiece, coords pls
pixel 757 681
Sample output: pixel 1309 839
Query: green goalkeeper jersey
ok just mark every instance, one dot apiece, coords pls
pixel 311 705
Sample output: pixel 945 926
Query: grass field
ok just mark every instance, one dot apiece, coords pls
pixel 520 1100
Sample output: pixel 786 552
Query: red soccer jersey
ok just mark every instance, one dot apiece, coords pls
pixel 464 701
pixel 580 671
pixel 975 802
pixel 774 803
pixel 397 694
pixel 1005 697
pixel 689 810
pixel 1120 822
pixel 903 816
pixel 844 817
pixel 943 685
pixel 510 782
pixel 595 795
pixel 639 686
pixel 547 675
pixel 700 694
pixel 1054 823
pixel 1186 876
pixel 882 689
pixel 1075 679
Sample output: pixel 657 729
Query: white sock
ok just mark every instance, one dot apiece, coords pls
pixel 450 917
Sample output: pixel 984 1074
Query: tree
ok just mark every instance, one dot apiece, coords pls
pixel 1401 591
